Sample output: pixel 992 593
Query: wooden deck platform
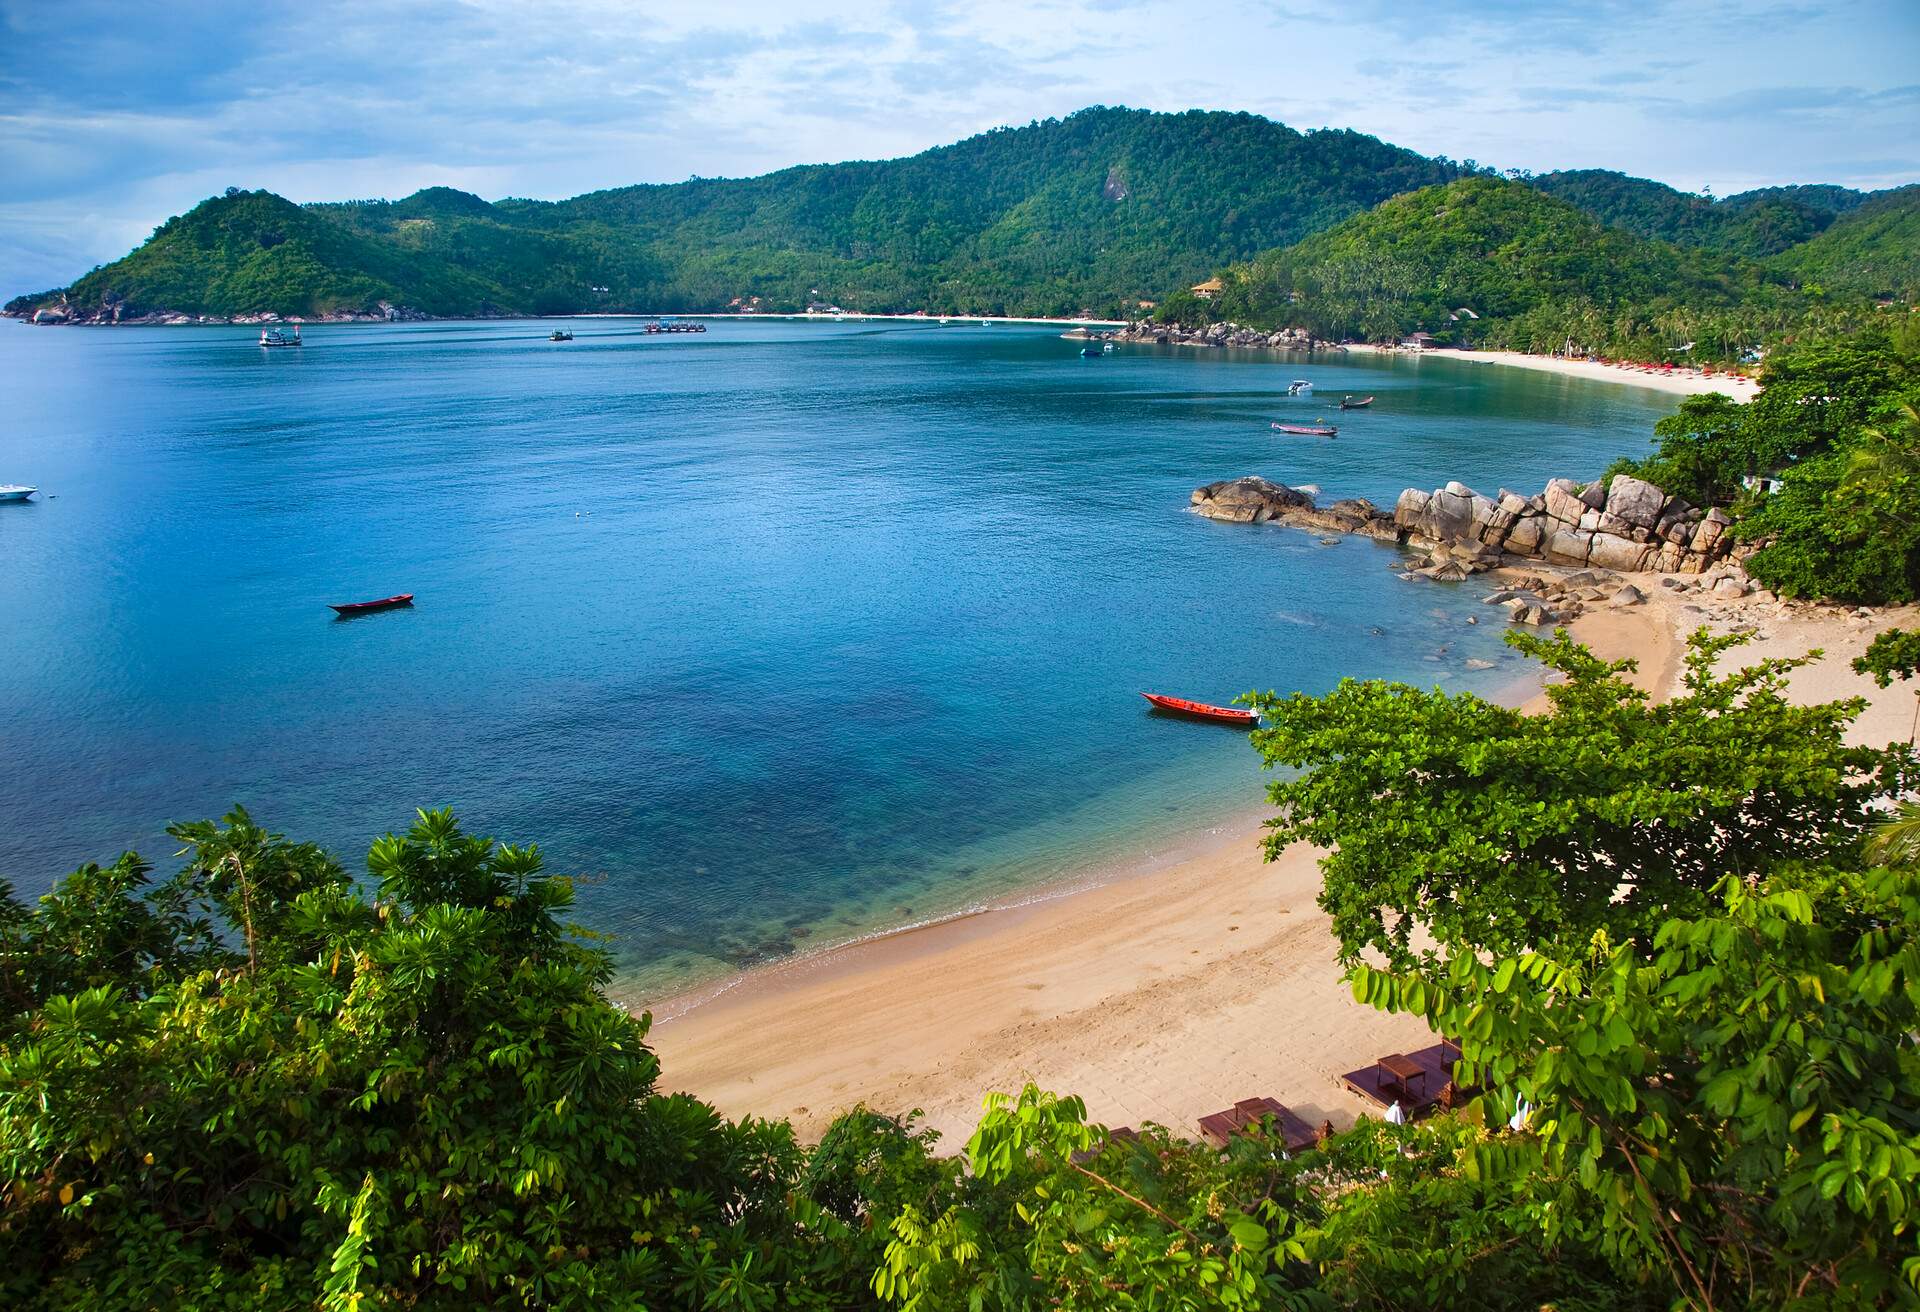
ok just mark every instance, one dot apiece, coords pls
pixel 1222 1126
pixel 1416 1093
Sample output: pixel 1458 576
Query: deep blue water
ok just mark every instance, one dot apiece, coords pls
pixel 782 632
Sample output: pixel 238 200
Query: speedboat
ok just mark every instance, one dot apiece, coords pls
pixel 1299 386
pixel 16 491
pixel 1202 711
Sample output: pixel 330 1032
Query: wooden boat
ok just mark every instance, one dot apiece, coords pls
pixel 368 607
pixel 1309 430
pixel 1348 403
pixel 559 335
pixel 1202 711
pixel 1091 352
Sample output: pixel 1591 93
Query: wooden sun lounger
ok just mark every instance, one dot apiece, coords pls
pixel 1294 1132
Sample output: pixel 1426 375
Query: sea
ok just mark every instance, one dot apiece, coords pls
pixel 775 636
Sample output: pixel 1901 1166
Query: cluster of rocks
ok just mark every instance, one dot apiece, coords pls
pixel 1215 334
pixel 1628 526
pixel 112 309
pixel 1624 524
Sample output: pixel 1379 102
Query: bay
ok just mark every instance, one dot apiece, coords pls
pixel 779 634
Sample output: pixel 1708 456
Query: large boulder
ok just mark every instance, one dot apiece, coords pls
pixel 1524 538
pixel 1248 500
pixel 1635 500
pixel 1609 551
pixel 1569 546
pixel 1563 501
pixel 1708 534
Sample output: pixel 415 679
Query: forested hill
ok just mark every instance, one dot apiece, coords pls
pixel 1093 211
pixel 1473 254
pixel 1753 223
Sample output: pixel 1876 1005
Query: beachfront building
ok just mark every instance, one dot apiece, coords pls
pixel 1416 341
pixel 1209 289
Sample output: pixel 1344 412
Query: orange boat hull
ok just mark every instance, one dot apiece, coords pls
pixel 1202 711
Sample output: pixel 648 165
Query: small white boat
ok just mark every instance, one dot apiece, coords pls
pixel 1299 387
pixel 15 492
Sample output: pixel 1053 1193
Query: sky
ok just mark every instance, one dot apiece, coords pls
pixel 115 115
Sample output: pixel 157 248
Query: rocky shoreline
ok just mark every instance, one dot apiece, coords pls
pixel 1214 334
pixel 113 312
pixel 1597 532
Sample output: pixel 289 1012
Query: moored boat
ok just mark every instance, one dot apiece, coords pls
pixel 1202 711
pixel 280 337
pixel 368 607
pixel 16 491
pixel 1091 352
pixel 1299 387
pixel 1309 430
pixel 559 335
pixel 1348 403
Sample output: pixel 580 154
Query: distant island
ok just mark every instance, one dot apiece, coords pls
pixel 1109 212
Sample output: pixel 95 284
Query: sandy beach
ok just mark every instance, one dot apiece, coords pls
pixel 1163 997
pixel 1680 382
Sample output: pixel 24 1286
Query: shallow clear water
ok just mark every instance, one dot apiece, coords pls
pixel 783 632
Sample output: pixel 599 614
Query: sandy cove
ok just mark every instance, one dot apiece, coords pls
pixel 1162 997
pixel 1680 382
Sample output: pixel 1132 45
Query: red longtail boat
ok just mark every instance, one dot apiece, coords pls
pixel 1309 430
pixel 1202 711
pixel 367 607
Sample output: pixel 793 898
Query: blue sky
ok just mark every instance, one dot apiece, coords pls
pixel 115 115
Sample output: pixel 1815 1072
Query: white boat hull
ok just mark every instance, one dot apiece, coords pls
pixel 12 492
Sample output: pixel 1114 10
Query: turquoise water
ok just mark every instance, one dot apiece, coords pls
pixel 781 633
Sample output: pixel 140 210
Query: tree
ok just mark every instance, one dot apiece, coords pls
pixel 1457 826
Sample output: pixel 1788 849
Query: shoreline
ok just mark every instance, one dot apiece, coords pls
pixel 1160 994
pixel 174 319
pixel 1689 382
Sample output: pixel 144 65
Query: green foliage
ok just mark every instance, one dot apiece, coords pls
pixel 1728 1106
pixel 1846 523
pixel 422 1099
pixel 1753 223
pixel 1872 251
pixel 1892 655
pixel 1088 212
pixel 1456 827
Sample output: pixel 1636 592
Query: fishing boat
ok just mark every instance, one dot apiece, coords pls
pixel 1091 352
pixel 368 607
pixel 1299 387
pixel 280 336
pixel 1309 430
pixel 1348 403
pixel 16 491
pixel 559 335
pixel 1202 711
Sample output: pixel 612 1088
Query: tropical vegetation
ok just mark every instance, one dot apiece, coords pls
pixel 1821 468
pixel 1682 990
pixel 1537 265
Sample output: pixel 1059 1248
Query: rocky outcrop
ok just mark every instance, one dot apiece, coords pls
pixel 1213 334
pixel 112 309
pixel 1625 524
pixel 1259 501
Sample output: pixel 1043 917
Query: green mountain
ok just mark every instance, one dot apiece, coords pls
pixel 1874 250
pixel 1091 211
pixel 1495 261
pixel 1753 223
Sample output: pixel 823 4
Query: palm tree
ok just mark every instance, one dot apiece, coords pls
pixel 1896 840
